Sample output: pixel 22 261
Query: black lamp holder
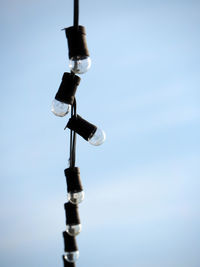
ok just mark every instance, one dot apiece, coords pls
pixel 81 126
pixel 73 180
pixel 72 215
pixel 76 37
pixel 67 90
pixel 69 243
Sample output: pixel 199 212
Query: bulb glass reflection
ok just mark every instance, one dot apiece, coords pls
pixel 79 65
pixel 73 230
pixel 76 197
pixel 60 109
pixel 97 138
pixel 71 256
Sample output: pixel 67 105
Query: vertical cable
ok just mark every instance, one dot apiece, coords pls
pixel 73 109
pixel 76 13
pixel 73 138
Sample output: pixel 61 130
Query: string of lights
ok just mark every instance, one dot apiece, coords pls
pixel 64 101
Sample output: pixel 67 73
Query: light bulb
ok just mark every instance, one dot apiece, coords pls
pixel 70 247
pixel 73 230
pixel 60 109
pixel 72 256
pixel 76 197
pixel 73 223
pixel 87 130
pixel 97 138
pixel 65 95
pixel 79 65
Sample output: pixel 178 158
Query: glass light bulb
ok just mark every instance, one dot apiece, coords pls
pixel 73 230
pixel 59 108
pixel 97 138
pixel 76 197
pixel 79 65
pixel 72 256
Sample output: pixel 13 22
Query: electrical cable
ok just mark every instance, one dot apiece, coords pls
pixel 76 13
pixel 73 155
pixel 72 158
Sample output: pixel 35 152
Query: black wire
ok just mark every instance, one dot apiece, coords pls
pixel 71 141
pixel 76 13
pixel 74 137
pixel 73 110
pixel 74 105
pixel 72 158
pixel 74 150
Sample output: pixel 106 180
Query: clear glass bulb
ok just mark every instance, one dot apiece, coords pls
pixel 59 108
pixel 76 197
pixel 97 138
pixel 79 65
pixel 72 256
pixel 73 230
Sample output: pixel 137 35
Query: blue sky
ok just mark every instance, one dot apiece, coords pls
pixel 142 185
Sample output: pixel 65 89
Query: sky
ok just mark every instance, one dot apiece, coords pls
pixel 141 206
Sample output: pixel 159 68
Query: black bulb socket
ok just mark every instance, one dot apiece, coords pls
pixel 81 127
pixel 72 215
pixel 68 87
pixel 73 180
pixel 76 37
pixel 69 243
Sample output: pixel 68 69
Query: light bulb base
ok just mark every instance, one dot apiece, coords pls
pixel 72 215
pixel 73 180
pixel 70 244
pixel 77 44
pixel 67 89
pixel 81 127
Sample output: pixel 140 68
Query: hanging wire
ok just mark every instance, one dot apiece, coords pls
pixel 76 13
pixel 70 153
pixel 72 159
pixel 73 153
